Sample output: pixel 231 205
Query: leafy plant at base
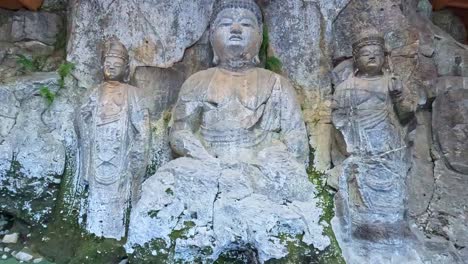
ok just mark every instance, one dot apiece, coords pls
pixel 34 64
pixel 47 94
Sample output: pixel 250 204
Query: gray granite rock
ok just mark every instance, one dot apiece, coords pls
pixel 450 23
pixel 447 211
pixel 156 33
pixel 420 182
pixel 163 84
pixel 300 36
pixel 40 26
pixel 34 36
pixel 450 57
pixel 33 147
pixel 199 209
pixel 450 122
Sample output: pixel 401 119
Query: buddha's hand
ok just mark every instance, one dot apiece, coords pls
pixel 395 88
pixel 185 144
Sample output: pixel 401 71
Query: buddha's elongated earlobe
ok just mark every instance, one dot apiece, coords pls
pixel 256 60
pixel 126 78
pixel 215 58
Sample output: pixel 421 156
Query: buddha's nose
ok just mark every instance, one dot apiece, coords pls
pixel 236 28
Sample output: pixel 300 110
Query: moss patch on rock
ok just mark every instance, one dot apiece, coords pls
pixel 29 199
pixel 64 240
pixel 271 63
pixel 332 254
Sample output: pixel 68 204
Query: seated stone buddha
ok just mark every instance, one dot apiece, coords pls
pixel 240 180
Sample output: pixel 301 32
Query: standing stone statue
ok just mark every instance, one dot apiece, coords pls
pixel 368 109
pixel 113 127
pixel 240 180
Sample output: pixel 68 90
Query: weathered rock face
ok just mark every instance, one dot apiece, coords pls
pixel 34 36
pixel 300 36
pixel 450 122
pixel 155 32
pixel 163 84
pixel 307 37
pixel 447 210
pixel 32 150
pixel 450 23
pixel 195 210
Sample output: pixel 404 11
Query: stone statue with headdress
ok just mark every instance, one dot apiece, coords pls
pixel 369 111
pixel 113 129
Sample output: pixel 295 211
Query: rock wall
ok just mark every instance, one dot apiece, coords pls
pixel 168 42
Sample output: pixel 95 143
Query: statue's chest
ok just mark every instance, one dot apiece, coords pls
pixel 112 105
pixel 232 114
pixel 364 95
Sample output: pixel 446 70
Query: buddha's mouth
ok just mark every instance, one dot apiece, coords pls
pixel 235 38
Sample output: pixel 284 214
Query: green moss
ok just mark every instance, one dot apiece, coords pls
pixel 332 254
pixel 271 63
pixel 64 240
pixel 298 251
pixel 169 191
pixel 182 233
pixel 25 197
pixel 158 251
pixel 61 40
pixel 154 251
pixel 245 256
pixel 153 213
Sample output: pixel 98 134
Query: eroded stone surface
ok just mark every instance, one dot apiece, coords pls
pixel 450 122
pixel 300 36
pixel 200 209
pixel 32 156
pixel 30 37
pixel 155 32
pixel 447 211
pixel 450 23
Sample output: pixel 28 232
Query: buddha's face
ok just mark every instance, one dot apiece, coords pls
pixel 236 35
pixel 114 68
pixel 370 60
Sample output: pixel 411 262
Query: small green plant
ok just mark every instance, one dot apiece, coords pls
pixel 272 63
pixel 47 94
pixel 34 64
pixel 64 70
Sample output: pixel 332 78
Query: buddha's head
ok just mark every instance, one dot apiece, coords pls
pixel 115 61
pixel 236 33
pixel 369 53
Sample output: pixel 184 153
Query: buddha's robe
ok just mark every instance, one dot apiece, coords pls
pixel 114 136
pixel 241 177
pixel 236 115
